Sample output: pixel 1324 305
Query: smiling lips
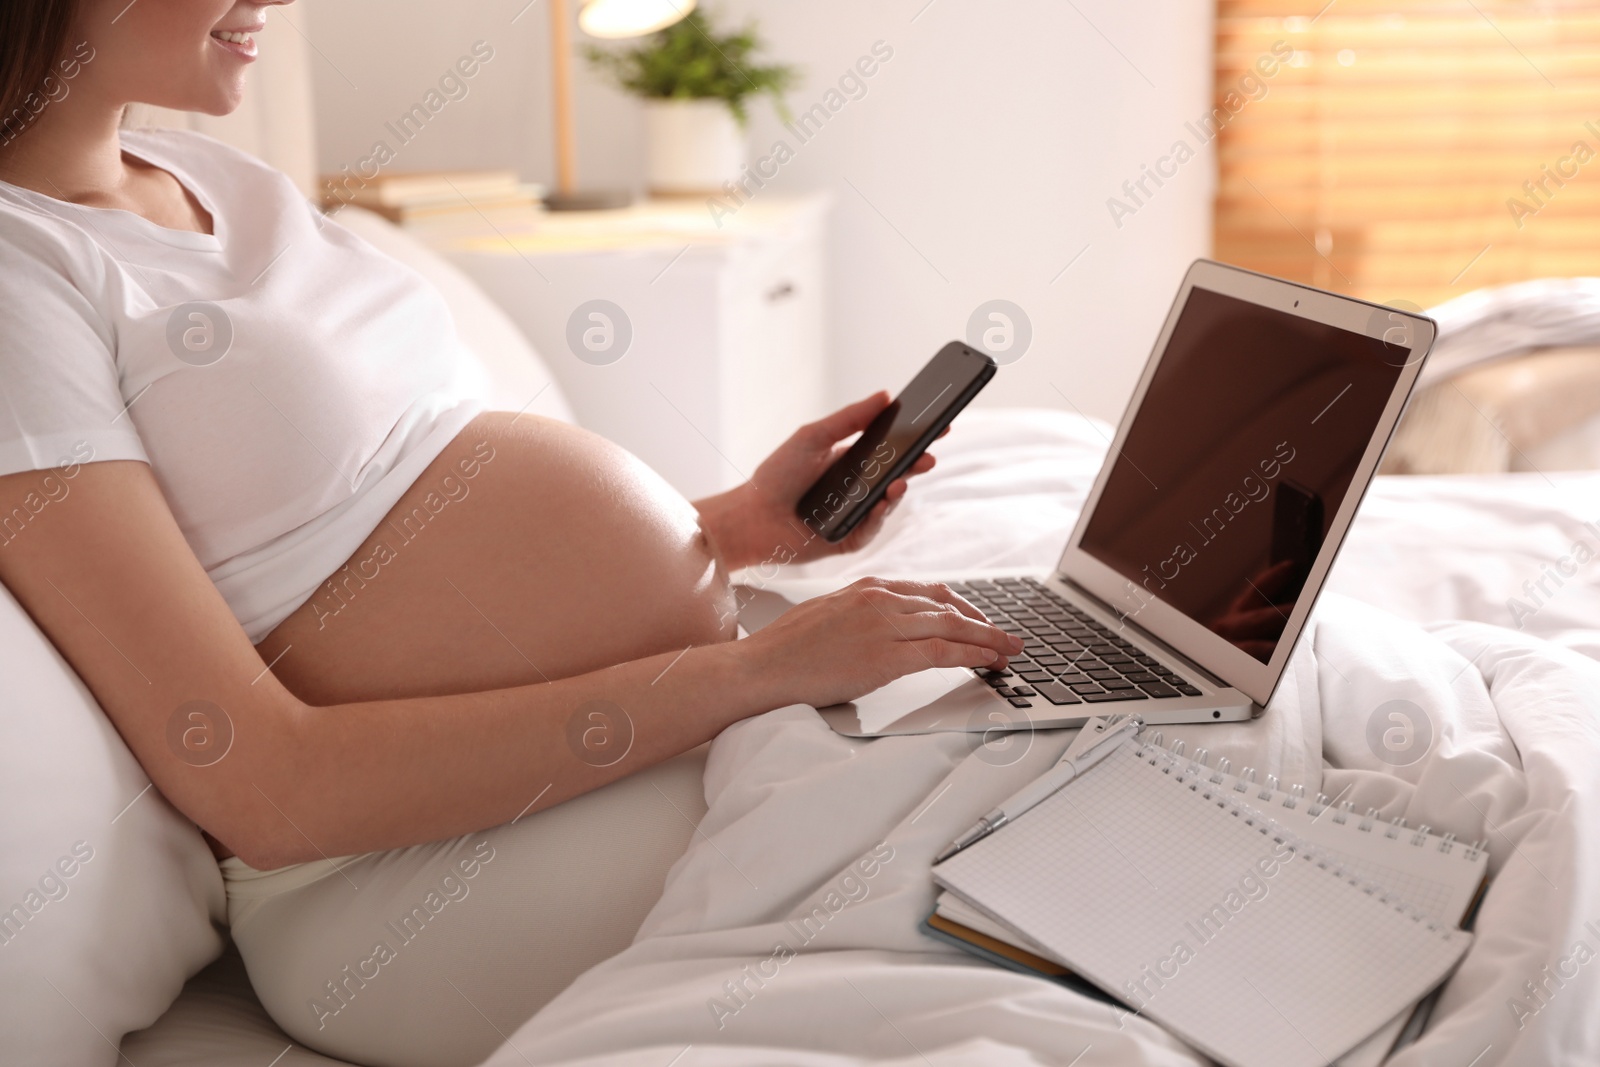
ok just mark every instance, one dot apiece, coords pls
pixel 241 43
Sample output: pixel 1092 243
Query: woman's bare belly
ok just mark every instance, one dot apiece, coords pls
pixel 528 551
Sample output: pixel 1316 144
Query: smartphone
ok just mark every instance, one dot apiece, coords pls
pixel 886 449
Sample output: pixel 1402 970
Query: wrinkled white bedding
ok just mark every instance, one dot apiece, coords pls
pixel 803 822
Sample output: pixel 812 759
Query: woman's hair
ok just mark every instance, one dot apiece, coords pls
pixel 33 35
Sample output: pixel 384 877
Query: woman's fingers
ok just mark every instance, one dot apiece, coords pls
pixel 852 418
pixel 868 528
pixel 856 639
pixel 1001 644
pixel 942 594
pixel 923 610
pixel 951 625
pixel 938 652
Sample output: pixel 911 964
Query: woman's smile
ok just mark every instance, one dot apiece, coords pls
pixel 241 41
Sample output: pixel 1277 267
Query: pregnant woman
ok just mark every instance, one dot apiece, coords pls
pixel 502 584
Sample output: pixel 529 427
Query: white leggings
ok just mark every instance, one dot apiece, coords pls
pixel 431 956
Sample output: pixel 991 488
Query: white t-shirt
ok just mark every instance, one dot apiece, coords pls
pixel 282 417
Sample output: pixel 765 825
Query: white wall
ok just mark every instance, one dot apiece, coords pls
pixel 976 166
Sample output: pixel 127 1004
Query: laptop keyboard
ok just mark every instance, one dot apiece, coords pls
pixel 1068 656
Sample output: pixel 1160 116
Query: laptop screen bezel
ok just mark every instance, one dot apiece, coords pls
pixel 1189 636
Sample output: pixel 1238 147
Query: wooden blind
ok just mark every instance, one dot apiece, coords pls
pixel 1409 150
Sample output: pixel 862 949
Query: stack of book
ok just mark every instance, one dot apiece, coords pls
pixel 434 195
pixel 1259 925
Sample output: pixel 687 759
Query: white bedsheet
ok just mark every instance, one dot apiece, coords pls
pixel 798 813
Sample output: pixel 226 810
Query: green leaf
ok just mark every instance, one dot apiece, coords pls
pixel 689 60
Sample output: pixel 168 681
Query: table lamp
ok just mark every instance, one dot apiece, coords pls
pixel 598 18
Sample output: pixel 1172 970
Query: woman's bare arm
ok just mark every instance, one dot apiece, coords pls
pixel 104 570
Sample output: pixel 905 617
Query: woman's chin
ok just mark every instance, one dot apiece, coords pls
pixel 225 101
pixel 221 95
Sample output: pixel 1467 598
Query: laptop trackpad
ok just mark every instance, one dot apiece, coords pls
pixel 958 692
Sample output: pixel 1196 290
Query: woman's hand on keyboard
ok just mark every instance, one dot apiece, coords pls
pixel 854 640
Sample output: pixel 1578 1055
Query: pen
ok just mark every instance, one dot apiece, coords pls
pixel 1041 788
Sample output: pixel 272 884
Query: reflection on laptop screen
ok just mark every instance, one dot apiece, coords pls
pixel 1237 461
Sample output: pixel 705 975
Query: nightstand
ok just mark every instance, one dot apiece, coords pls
pixel 696 346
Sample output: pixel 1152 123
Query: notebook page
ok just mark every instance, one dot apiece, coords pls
pixel 1241 944
pixel 1436 875
pixel 1369 1053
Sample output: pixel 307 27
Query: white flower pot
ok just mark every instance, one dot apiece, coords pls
pixel 691 146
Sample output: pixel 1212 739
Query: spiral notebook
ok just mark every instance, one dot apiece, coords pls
pixel 1259 926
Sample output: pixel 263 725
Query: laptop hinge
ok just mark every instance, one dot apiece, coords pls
pixel 1144 636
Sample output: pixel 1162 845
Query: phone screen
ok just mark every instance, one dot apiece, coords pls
pixel 894 440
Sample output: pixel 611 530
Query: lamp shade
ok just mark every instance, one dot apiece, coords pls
pixel 630 18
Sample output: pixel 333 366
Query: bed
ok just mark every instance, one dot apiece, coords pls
pixel 1514 716
pixel 1515 721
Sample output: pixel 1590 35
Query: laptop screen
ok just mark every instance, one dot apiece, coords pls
pixel 1235 465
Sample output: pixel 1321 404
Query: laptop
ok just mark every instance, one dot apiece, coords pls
pixel 1249 442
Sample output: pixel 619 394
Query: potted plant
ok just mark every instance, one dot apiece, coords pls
pixel 696 84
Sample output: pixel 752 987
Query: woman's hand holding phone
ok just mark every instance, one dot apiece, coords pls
pixel 756 523
pixel 843 645
pixel 850 489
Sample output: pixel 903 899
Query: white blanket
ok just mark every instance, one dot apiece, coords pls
pixel 788 932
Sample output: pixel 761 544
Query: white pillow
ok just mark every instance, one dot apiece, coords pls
pixel 510 372
pixel 109 899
